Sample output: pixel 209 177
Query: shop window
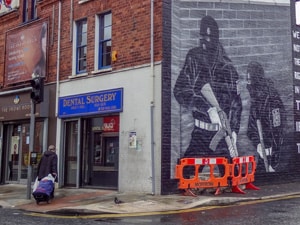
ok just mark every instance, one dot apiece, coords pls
pixel 103 39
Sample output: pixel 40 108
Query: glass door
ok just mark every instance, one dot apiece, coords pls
pixel 91 154
pixel 111 149
pixel 70 148
pixel 14 162
pixel 16 145
pixel 105 161
pixel 100 155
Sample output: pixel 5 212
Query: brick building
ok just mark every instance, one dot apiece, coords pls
pixel 102 90
pixel 110 71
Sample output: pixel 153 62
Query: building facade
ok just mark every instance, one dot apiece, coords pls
pixel 233 57
pixel 101 107
pixel 123 95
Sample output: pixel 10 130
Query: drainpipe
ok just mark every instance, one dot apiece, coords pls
pixel 58 122
pixel 153 95
pixel 58 58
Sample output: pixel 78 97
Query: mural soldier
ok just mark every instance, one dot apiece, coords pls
pixel 267 114
pixel 207 84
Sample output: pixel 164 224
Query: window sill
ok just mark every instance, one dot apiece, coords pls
pixel 83 1
pixel 9 14
pixel 101 71
pixel 78 75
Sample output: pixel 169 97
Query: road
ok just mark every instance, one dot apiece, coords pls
pixel 283 211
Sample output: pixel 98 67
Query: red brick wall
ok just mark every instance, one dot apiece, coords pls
pixel 130 32
pixel 7 22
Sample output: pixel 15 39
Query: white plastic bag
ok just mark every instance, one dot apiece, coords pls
pixel 49 177
pixel 35 185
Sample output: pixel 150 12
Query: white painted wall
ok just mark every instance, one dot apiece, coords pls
pixel 135 165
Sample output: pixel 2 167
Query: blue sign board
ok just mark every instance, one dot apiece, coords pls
pixel 91 103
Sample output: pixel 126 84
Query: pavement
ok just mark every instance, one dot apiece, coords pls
pixel 73 201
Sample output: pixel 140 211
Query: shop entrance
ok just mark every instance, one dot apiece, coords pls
pixel 104 169
pixel 16 151
pixel 92 152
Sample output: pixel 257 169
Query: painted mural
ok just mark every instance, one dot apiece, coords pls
pixel 295 22
pixel 230 97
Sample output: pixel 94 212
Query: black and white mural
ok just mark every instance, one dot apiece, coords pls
pixel 232 83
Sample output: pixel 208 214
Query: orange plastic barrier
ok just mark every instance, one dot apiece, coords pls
pixel 198 179
pixel 242 172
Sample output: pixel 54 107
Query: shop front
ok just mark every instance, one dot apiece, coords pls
pixel 15 132
pixel 90 142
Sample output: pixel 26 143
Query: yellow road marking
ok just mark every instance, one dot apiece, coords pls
pixel 200 208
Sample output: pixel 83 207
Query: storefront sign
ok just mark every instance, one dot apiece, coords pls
pixel 91 103
pixel 111 124
pixel 17 107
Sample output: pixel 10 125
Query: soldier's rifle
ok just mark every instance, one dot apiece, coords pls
pixel 225 129
pixel 261 140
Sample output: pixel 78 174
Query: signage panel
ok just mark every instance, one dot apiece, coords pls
pixel 26 50
pixel 295 33
pixel 107 101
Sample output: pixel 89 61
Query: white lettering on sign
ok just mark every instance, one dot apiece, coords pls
pixel 297 61
pixel 198 161
pixel 297 75
pixel 101 98
pixel 296 48
pixel 296 34
pixel 109 126
pixel 298 145
pixel 213 161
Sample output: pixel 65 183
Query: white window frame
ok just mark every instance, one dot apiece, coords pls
pixel 74 50
pixel 97 37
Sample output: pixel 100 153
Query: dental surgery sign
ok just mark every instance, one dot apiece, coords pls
pixel 91 103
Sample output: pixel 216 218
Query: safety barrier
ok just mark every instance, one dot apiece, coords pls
pixel 196 178
pixel 240 172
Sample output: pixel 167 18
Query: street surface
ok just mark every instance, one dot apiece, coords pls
pixel 283 211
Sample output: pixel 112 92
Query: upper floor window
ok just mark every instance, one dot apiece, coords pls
pixel 104 40
pixel 81 45
pixel 29 10
pixel 33 9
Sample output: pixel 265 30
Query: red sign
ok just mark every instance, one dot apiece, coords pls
pixel 111 124
pixel 26 52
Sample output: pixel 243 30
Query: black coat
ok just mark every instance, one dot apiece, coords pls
pixel 47 164
pixel 222 77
